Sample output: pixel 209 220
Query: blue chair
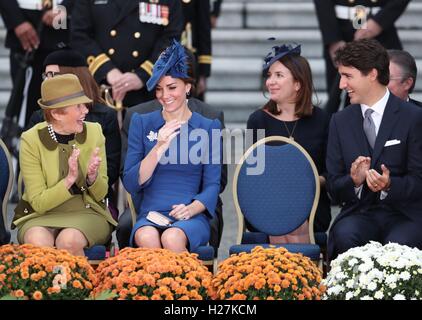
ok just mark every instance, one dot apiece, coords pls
pixel 278 200
pixel 205 253
pixel 6 183
pixel 94 254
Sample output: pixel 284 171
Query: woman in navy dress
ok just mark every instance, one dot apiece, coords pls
pixel 290 113
pixel 173 161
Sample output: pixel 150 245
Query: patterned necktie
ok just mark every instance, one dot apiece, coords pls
pixel 369 128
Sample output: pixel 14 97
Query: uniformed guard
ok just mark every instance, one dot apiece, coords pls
pixel 122 39
pixel 30 26
pixel 342 21
pixel 215 11
pixel 197 38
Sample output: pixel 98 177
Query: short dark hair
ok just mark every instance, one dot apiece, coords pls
pixel 365 55
pixel 406 62
pixel 301 72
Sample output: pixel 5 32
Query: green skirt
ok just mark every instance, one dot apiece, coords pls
pixel 95 228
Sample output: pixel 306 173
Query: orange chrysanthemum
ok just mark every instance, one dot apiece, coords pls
pixel 268 274
pixel 155 274
pixel 43 273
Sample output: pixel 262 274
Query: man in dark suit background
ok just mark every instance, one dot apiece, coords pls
pixel 341 21
pixel 125 224
pixel 403 73
pixel 22 21
pixel 374 156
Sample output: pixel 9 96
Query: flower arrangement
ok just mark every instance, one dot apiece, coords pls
pixel 268 274
pixel 154 274
pixel 41 273
pixel 375 272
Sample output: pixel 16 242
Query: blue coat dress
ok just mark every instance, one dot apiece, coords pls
pixel 189 170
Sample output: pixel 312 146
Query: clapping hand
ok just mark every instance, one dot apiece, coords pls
pixel 377 182
pixel 72 175
pixel 358 170
pixel 93 166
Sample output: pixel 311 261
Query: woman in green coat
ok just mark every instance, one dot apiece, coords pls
pixel 64 171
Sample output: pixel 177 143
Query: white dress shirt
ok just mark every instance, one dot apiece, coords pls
pixel 376 116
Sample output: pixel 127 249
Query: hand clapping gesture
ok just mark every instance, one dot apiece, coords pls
pixel 377 182
pixel 93 166
pixel 72 175
pixel 358 170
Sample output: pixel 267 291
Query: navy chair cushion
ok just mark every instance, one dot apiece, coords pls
pixel 283 193
pixel 205 253
pixel 97 252
pixel 311 251
pixel 254 237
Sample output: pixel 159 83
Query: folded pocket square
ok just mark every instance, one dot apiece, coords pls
pixel 391 142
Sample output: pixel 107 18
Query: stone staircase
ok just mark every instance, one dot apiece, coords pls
pixel 240 43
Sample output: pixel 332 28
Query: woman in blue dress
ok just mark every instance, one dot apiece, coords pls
pixel 173 161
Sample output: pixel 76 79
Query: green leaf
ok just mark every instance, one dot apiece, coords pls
pixel 104 295
pixel 9 297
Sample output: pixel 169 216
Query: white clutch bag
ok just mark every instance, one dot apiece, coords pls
pixel 159 218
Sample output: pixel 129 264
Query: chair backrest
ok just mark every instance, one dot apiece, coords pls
pixel 280 199
pixel 6 181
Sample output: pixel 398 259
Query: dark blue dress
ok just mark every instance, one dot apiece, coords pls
pixel 189 170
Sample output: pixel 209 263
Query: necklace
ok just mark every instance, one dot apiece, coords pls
pixel 293 130
pixel 51 132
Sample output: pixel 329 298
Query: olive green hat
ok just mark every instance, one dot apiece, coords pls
pixel 62 91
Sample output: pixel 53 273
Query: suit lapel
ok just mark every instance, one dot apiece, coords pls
pixel 357 128
pixel 126 8
pixel 388 122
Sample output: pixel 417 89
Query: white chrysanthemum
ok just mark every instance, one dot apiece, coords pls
pixel 366 298
pixel 399 297
pixel 392 278
pixel 350 283
pixel 353 261
pixel 372 286
pixel 335 290
pixel 349 295
pixel 405 275
pixel 379 295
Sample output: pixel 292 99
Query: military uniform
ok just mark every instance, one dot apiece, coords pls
pixel 125 34
pixel 336 23
pixel 215 7
pixel 197 34
pixel 13 15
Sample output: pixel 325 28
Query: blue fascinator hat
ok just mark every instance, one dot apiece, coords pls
pixel 172 62
pixel 278 52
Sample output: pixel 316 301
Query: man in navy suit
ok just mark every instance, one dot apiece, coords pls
pixel 374 156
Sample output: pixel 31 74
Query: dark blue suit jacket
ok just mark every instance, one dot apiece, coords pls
pixel 346 141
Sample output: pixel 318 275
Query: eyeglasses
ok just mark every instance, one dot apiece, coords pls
pixel 400 78
pixel 49 74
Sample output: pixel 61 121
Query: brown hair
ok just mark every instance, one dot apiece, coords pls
pixel 301 72
pixel 365 55
pixel 48 114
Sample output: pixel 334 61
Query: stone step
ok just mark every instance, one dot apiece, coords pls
pixel 285 14
pixel 238 105
pixel 245 74
pixel 255 43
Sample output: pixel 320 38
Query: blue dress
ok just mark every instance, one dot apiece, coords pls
pixel 189 170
